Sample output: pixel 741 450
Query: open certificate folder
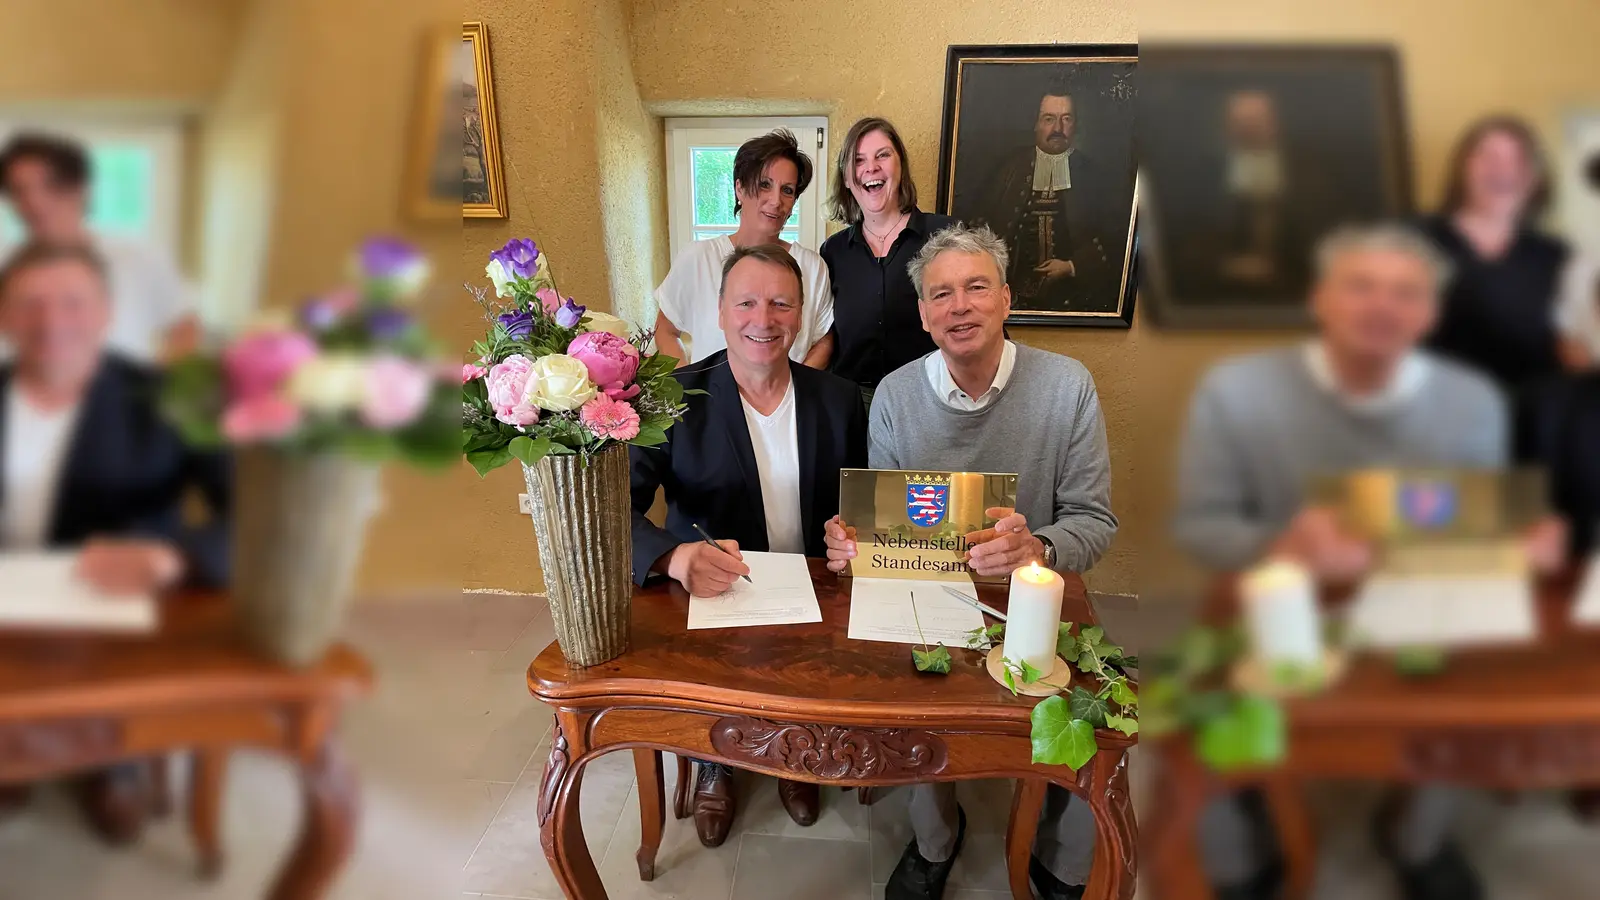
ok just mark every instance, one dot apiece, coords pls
pixel 41 591
pixel 779 592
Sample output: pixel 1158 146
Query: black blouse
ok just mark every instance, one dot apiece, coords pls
pixel 1499 314
pixel 876 327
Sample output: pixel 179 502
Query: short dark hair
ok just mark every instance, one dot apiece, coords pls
pixel 1455 187
pixel 842 206
pixel 755 154
pixel 773 254
pixel 37 255
pixel 67 160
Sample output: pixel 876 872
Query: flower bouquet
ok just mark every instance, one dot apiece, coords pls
pixel 312 401
pixel 561 390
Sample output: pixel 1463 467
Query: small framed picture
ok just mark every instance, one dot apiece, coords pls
pixel 456 126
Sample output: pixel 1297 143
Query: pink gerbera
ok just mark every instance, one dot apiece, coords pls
pixel 611 419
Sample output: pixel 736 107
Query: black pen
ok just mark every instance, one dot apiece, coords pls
pixel 716 545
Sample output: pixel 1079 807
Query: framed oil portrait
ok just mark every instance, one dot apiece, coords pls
pixel 455 167
pixel 1037 144
pixel 1250 155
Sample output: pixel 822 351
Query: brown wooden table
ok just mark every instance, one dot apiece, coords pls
pixel 69 703
pixel 1510 718
pixel 804 702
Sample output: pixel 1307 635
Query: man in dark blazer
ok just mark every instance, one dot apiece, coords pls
pixel 755 462
pixel 87 463
pixel 1558 429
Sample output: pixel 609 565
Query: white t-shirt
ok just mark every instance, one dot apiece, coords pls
pixel 777 446
pixel 688 297
pixel 1578 304
pixel 36 444
pixel 148 296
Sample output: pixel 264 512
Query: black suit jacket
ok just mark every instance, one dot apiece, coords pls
pixel 1558 428
pixel 126 473
pixel 708 465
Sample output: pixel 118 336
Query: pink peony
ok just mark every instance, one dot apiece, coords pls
pixel 471 372
pixel 612 362
pixel 610 418
pixel 397 390
pixel 261 363
pixel 549 299
pixel 512 384
pixel 263 418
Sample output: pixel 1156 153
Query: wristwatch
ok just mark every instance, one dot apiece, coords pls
pixel 1049 552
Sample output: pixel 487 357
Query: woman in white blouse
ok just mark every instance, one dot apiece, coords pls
pixel 769 174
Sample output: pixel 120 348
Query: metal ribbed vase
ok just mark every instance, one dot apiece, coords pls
pixel 582 518
pixel 300 526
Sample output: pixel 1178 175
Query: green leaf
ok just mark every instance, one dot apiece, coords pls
pixel 936 660
pixel 1058 738
pixel 529 450
pixel 1066 643
pixel 1085 705
pixel 1010 680
pixel 1030 674
pixel 1123 695
pixel 1093 634
pixel 649 436
pixel 1418 662
pixel 486 460
pixel 1250 734
pixel 1125 724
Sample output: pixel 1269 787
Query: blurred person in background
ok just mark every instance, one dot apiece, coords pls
pixel 1360 395
pixel 46 181
pixel 87 463
pixel 769 174
pixel 876 328
pixel 1499 312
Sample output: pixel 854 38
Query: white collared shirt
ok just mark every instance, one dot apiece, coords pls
pixel 1050 172
pixel 36 446
pixel 1407 381
pixel 946 389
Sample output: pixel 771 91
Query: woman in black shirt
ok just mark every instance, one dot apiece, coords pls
pixel 877 328
pixel 1499 308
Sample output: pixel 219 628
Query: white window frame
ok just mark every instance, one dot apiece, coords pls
pixel 686 134
pixel 163 135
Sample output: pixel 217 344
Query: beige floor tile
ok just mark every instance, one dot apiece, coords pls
pixel 685 870
pixel 840 818
pixel 788 868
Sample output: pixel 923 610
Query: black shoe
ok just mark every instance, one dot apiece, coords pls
pixel 915 878
pixel 1447 876
pixel 1266 884
pixel 1049 886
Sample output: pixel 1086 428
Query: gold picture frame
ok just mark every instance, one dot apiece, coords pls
pixel 456 114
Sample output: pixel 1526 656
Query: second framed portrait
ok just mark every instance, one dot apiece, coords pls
pixel 1037 145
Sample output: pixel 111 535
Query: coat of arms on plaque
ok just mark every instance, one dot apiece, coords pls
pixel 926 502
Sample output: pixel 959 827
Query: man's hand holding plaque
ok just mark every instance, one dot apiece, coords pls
pixel 1316 539
pixel 1008 545
pixel 841 541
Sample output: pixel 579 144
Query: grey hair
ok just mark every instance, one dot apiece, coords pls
pixel 959 238
pixel 1390 236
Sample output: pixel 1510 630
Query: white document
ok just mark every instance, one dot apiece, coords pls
pixel 778 593
pixel 1586 608
pixel 39 590
pixel 1443 611
pixel 880 610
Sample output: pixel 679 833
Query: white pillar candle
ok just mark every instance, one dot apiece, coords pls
pixel 1033 617
pixel 1281 616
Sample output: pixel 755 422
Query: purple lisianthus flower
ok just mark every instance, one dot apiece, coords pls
pixel 387 257
pixel 519 257
pixel 570 314
pixel 518 324
pixel 387 324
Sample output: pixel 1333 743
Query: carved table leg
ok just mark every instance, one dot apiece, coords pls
pixel 560 824
pixel 652 810
pixel 1105 783
pixel 1180 790
pixel 1027 799
pixel 332 806
pixel 680 796
pixel 1296 835
pixel 206 780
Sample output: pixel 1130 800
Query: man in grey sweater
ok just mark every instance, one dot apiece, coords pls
pixel 1360 395
pixel 982 403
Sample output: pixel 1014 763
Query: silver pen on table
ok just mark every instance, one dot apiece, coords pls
pixel 696 526
pixel 976 603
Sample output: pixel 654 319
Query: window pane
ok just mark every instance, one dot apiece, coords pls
pixel 790 236
pixel 120 200
pixel 713 185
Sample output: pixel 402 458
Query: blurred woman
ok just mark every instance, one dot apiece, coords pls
pixel 877 328
pixel 1499 308
pixel 769 174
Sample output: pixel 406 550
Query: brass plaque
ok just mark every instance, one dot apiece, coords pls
pixel 913 523
pixel 1439 520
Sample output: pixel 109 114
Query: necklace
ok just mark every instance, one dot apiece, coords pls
pixel 882 238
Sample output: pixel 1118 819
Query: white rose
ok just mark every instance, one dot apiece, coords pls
pixel 563 383
pixel 497 274
pixel 599 321
pixel 331 383
pixel 410 280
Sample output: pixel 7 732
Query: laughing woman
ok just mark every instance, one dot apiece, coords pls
pixel 769 174
pixel 877 328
